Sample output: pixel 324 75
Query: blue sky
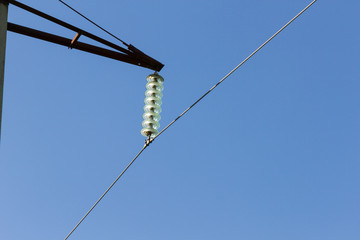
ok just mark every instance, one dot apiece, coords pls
pixel 273 153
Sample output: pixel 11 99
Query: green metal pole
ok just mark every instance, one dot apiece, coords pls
pixel 3 30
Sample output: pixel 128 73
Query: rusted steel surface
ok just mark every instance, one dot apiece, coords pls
pixel 3 21
pixel 131 53
pixel 77 45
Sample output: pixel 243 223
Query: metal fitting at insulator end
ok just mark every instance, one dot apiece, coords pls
pixel 152 106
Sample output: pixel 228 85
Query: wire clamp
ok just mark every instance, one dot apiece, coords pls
pixel 148 141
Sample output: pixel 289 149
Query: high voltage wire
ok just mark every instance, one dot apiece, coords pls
pixel 147 143
pixel 127 167
pixel 232 71
pixel 93 23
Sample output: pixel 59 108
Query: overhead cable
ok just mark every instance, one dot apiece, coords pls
pixel 107 190
pixel 93 23
pixel 232 71
pixel 182 114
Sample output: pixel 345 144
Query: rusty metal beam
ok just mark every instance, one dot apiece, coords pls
pixel 68 26
pixel 77 45
pixel 3 21
pixel 131 52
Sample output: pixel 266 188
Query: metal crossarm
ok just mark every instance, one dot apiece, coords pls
pixel 67 42
pixel 131 55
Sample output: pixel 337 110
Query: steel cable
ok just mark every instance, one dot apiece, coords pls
pixel 147 143
pixel 232 71
pixel 67 5
pixel 102 196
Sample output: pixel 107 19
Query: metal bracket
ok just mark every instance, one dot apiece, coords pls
pixel 75 39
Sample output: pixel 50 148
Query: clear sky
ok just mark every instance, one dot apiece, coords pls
pixel 273 153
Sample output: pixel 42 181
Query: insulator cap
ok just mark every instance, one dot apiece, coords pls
pixel 153 93
pixel 149 132
pixel 151 124
pixel 153 100
pixel 155 78
pixel 152 108
pixel 155 85
pixel 151 116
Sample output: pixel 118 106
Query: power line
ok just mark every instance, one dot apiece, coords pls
pixel 232 71
pixel 102 196
pixel 93 23
pixel 147 143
